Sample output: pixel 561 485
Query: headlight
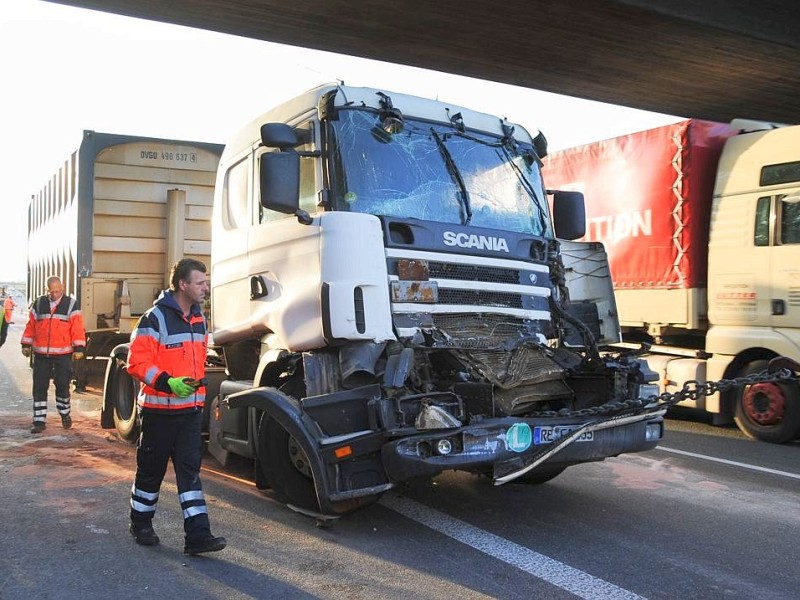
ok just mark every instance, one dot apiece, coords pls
pixel 444 447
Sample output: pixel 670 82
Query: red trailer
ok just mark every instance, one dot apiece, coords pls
pixel 648 200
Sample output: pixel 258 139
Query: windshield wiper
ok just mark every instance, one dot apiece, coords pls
pixel 528 187
pixel 454 173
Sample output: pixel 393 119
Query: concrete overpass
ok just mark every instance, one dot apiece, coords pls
pixel 717 59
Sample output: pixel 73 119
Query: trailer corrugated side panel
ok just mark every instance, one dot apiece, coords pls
pixel 648 200
pixel 53 230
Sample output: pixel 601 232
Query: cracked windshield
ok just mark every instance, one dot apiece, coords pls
pixel 435 173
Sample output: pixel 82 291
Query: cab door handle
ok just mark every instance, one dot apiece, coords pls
pixel 778 307
pixel 258 287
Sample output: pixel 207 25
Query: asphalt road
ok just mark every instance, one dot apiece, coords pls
pixel 707 515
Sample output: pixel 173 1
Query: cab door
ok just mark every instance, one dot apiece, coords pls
pixel 785 266
pixel 283 258
pixel 739 279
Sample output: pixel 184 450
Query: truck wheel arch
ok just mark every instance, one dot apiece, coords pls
pixel 279 409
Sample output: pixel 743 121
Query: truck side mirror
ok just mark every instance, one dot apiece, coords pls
pixel 279 179
pixel 569 215
pixel 279 135
pixel 279 172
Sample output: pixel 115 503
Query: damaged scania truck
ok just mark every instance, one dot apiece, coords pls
pixel 394 295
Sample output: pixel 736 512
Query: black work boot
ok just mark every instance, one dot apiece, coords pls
pixel 204 544
pixel 66 421
pixel 38 427
pixel 145 536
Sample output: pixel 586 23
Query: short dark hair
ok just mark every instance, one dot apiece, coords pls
pixel 181 269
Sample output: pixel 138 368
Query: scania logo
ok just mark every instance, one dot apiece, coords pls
pixel 471 240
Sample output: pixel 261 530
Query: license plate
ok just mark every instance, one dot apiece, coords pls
pixel 550 433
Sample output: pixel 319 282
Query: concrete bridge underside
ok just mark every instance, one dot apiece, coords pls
pixel 717 59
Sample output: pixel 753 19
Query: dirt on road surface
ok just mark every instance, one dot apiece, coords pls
pixel 45 465
pixel 63 491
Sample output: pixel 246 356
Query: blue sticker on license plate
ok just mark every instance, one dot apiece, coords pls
pixel 549 434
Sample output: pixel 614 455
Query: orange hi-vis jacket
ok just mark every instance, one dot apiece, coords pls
pixel 8 308
pixel 56 331
pixel 168 344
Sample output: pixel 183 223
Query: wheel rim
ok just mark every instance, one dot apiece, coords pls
pixel 764 403
pixel 298 457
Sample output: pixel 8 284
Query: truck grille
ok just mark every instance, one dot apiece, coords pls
pixel 448 296
pixel 443 270
pixel 476 305
pixel 479 331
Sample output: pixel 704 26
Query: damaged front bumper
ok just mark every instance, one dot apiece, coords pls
pixel 367 461
pixel 510 447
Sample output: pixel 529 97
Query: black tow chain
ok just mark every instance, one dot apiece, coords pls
pixel 691 390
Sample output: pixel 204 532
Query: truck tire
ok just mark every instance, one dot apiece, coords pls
pixel 285 466
pixel 288 472
pixel 121 389
pixel 768 412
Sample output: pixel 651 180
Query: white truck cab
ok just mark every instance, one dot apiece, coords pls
pixel 393 300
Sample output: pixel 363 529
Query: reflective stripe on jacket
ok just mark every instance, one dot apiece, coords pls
pixel 56 331
pixel 168 344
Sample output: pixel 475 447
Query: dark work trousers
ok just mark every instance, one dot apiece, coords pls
pixel 177 437
pixel 57 367
pixel 3 330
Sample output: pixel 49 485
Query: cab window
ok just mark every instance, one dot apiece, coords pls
pixel 235 213
pixel 790 219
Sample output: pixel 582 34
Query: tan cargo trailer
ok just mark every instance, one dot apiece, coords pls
pixel 111 221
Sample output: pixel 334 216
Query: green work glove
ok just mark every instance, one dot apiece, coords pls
pixel 179 387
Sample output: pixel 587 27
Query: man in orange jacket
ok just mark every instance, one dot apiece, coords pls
pixel 8 313
pixel 168 355
pixel 56 336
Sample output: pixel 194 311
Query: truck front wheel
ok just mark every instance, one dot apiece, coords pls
pixel 768 411
pixel 287 470
pixel 285 466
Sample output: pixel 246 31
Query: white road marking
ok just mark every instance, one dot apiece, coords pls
pixel 730 462
pixel 548 569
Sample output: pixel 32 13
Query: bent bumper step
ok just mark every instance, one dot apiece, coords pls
pixel 510 470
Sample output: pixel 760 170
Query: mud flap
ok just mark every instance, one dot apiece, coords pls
pixel 214 434
pixel 218 452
